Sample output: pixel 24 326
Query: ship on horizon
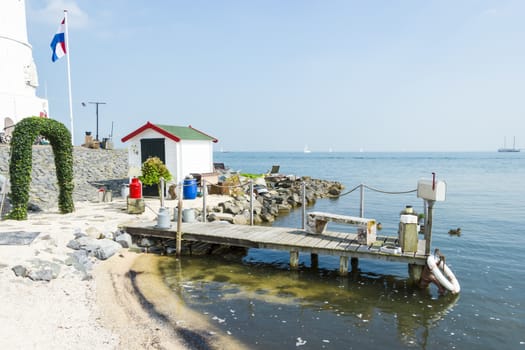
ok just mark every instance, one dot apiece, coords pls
pixel 505 149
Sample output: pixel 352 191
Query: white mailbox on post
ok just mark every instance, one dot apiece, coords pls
pixel 431 190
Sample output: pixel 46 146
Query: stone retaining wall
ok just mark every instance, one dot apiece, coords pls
pixel 92 169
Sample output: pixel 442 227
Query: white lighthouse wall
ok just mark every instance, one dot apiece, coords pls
pixel 13 20
pixel 18 75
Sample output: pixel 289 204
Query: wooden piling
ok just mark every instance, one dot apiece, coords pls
pixel 354 262
pixel 414 272
pixel 314 260
pixel 294 259
pixel 179 225
pixel 343 265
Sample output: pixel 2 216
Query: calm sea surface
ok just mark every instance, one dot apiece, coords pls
pixel 258 300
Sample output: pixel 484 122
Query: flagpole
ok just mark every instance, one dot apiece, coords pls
pixel 69 79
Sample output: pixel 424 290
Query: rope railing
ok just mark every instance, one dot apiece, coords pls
pixel 389 192
pixel 372 189
pixel 362 187
pixel 250 183
pixel 228 186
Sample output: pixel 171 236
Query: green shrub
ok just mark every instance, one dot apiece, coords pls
pixel 20 165
pixel 152 170
pixel 252 176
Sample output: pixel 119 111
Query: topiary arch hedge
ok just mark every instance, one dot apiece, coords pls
pixel 20 165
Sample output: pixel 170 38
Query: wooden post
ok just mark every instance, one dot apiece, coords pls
pixel 303 209
pixel 161 192
pixel 362 201
pixel 252 198
pixel 204 194
pixel 428 226
pixel 179 224
pixel 354 262
pixel 414 272
pixel 294 259
pixel 314 260
pixel 343 265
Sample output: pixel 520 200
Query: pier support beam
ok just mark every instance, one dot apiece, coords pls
pixel 178 247
pixel 343 265
pixel 354 262
pixel 314 260
pixel 428 226
pixel 294 259
pixel 414 272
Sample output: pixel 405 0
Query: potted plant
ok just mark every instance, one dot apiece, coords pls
pixel 153 169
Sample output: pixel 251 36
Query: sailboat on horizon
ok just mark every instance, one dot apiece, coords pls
pixel 505 149
pixel 306 149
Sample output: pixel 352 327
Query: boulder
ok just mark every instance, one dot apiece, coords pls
pixel 145 242
pixel 284 208
pixel 257 220
pixel 100 248
pixel 221 217
pixel 93 232
pixel 20 271
pixel 124 240
pixel 43 270
pixel 86 243
pixel 230 207
pixel 79 259
pixel 106 248
pixel 41 275
pixel 240 219
pixel 267 218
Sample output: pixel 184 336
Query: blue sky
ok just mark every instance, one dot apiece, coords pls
pixel 275 75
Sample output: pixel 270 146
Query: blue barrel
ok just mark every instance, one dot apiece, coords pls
pixel 189 190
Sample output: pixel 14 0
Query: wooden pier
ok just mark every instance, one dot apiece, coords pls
pixel 295 241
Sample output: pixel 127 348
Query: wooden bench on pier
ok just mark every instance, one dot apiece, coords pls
pixel 366 228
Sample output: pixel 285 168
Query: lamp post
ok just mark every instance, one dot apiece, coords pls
pixel 96 104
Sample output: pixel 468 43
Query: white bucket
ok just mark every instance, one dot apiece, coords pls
pixel 188 215
pixel 163 218
pixel 124 191
pixel 101 193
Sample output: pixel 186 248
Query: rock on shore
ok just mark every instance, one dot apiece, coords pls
pixel 279 194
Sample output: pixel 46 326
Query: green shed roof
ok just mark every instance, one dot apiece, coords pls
pixel 185 132
pixel 176 133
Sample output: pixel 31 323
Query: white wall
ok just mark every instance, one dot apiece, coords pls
pixel 197 157
pixel 18 75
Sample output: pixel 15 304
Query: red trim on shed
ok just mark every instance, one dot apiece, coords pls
pixel 147 126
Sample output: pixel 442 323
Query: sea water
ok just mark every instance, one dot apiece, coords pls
pixel 258 300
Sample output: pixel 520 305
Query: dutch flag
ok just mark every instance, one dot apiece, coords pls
pixel 58 44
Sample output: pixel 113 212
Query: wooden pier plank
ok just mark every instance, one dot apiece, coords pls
pixel 280 238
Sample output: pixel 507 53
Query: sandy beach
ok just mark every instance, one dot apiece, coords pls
pixel 106 307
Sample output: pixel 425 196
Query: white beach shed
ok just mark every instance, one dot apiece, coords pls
pixel 184 149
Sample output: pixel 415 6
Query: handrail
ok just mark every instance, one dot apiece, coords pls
pixel 361 186
pixel 372 189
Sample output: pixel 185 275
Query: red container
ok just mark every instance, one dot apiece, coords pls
pixel 135 188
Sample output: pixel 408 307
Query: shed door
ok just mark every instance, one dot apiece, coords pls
pixel 152 148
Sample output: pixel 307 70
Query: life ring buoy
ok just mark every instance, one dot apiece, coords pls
pixel 443 274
